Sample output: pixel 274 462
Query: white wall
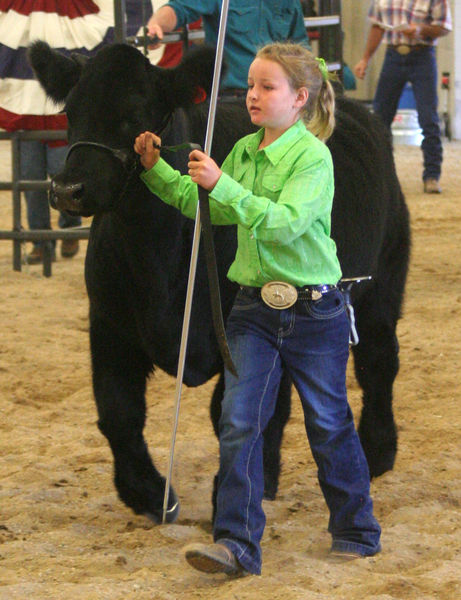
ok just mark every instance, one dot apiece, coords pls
pixel 355 27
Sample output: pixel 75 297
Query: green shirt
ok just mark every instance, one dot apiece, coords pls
pixel 280 197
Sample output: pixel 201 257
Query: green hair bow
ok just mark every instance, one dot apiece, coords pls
pixel 323 68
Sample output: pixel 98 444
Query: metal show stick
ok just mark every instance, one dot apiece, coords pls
pixel 194 251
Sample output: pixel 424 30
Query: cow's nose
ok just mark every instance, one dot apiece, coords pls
pixel 65 195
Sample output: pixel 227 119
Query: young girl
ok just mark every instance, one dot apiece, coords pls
pixel 277 186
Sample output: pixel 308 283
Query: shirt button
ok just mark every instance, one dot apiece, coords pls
pixel 252 237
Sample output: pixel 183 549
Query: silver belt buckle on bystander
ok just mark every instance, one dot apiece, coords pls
pixel 279 295
pixel 403 49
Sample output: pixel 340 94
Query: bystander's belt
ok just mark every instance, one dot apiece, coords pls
pixel 404 49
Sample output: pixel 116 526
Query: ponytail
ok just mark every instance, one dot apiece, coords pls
pixel 322 121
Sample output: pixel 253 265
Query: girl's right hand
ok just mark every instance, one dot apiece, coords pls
pixel 144 146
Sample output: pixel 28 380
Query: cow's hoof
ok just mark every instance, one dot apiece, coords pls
pixel 269 494
pixel 378 465
pixel 171 514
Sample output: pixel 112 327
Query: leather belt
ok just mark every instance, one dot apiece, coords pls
pixel 280 295
pixel 404 49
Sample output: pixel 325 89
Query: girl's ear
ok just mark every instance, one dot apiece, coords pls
pixel 302 96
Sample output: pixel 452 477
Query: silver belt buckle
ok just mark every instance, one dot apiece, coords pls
pixel 279 295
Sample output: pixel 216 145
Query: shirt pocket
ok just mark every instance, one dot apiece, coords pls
pixel 283 14
pixel 241 17
pixel 271 186
pixel 421 10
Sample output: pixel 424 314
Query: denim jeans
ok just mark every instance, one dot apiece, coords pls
pixel 311 340
pixel 420 69
pixel 38 160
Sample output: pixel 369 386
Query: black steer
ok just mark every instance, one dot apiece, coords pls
pixel 139 250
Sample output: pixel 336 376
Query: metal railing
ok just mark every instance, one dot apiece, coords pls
pixel 330 44
pixel 17 234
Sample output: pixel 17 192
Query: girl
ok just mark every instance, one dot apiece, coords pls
pixel 277 186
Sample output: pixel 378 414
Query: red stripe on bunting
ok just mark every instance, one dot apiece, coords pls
pixel 12 122
pixel 64 8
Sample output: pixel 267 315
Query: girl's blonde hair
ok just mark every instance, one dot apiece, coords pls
pixel 304 70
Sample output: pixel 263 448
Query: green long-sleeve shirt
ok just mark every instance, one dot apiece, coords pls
pixel 280 197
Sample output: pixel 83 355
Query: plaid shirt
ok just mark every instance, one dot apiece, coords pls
pixel 420 12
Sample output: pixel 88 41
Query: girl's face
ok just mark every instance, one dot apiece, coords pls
pixel 271 101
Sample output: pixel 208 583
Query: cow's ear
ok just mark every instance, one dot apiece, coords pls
pixel 56 73
pixel 80 59
pixel 194 72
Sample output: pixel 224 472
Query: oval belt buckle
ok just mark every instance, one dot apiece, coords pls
pixel 403 49
pixel 279 295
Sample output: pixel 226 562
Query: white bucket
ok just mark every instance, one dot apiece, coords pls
pixel 405 128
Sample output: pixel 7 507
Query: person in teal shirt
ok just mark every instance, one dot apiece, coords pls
pixel 277 186
pixel 250 25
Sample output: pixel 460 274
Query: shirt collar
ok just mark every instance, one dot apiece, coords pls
pixel 277 150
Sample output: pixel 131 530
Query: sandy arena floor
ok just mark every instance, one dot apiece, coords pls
pixel 65 535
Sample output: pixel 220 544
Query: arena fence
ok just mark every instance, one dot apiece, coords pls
pixel 17 233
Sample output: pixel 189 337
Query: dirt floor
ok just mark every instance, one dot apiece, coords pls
pixel 65 535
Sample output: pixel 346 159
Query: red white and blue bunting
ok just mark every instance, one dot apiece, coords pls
pixel 66 25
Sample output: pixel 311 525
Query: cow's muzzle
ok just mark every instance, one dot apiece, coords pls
pixel 69 196
pixel 65 196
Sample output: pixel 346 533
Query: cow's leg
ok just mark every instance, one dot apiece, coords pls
pixel 119 382
pixel 376 357
pixel 377 363
pixel 272 434
pixel 376 366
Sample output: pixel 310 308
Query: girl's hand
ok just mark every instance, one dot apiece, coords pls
pixel 203 170
pixel 144 146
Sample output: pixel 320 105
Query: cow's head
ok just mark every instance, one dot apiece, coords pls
pixel 109 99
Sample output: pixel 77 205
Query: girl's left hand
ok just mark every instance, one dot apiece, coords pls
pixel 203 170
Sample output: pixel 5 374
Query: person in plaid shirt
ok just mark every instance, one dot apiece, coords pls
pixel 410 29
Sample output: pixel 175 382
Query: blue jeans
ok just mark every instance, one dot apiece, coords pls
pixel 311 340
pixel 38 160
pixel 420 69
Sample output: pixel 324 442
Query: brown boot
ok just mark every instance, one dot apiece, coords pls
pixel 69 248
pixel 35 257
pixel 213 558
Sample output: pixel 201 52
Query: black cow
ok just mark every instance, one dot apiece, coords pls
pixel 139 250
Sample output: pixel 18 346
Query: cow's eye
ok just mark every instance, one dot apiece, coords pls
pixel 129 125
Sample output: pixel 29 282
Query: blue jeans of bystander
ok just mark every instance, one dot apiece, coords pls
pixel 419 67
pixel 311 340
